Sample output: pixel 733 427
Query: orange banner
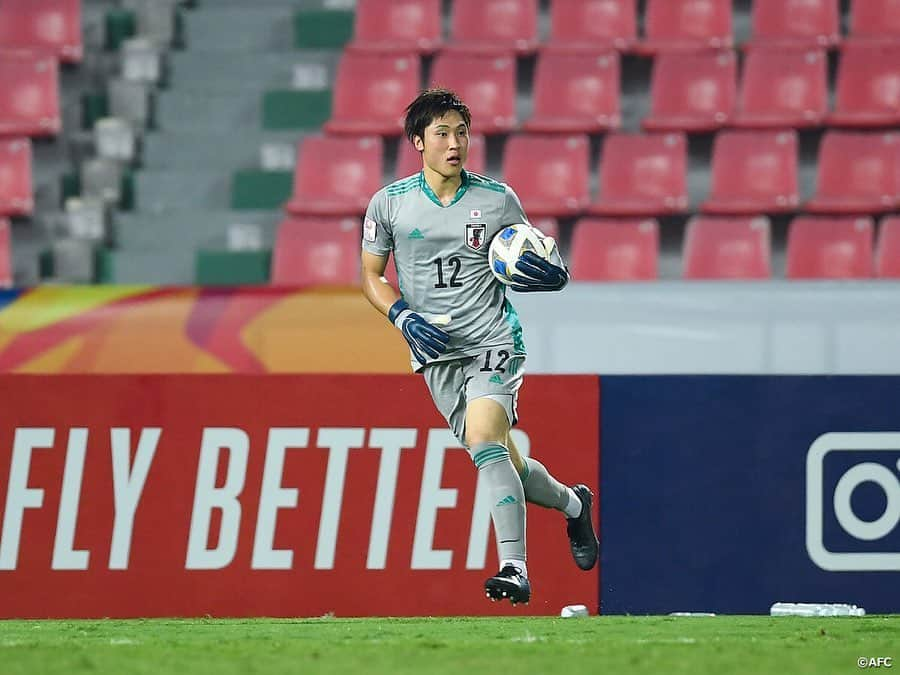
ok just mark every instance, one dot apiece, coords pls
pixel 140 329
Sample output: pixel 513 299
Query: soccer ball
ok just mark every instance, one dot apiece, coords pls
pixel 511 242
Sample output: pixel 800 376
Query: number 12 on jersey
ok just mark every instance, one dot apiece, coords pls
pixel 453 265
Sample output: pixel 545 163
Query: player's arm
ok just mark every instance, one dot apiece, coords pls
pixel 376 289
pixel 425 341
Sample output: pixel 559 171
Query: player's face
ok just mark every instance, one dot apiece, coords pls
pixel 445 145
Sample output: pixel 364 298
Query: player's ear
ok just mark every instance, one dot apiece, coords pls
pixel 418 143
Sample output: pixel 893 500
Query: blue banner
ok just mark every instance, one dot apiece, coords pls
pixel 729 493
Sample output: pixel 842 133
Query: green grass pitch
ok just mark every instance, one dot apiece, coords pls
pixel 609 645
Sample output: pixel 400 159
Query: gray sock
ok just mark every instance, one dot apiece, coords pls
pixel 541 488
pixel 507 498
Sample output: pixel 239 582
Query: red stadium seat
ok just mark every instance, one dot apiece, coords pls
pixel 547 226
pixel 642 175
pixel 29 104
pixel 399 26
pixel 753 172
pixel 727 248
pixel 557 184
pixel 795 23
pixel 409 160
pixel 311 251
pixel 371 92
pixel 494 26
pixel 692 91
pixel 858 173
pixel 16 192
pixel 486 83
pixel 593 24
pixel 868 86
pixel 50 26
pixel 336 176
pixel 830 248
pixel 875 21
pixel 575 92
pixel 5 254
pixel 783 88
pixel 887 254
pixel 614 250
pixel 672 25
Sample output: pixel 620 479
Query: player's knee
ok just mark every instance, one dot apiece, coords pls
pixel 478 436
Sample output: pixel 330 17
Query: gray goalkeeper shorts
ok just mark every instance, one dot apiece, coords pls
pixel 494 373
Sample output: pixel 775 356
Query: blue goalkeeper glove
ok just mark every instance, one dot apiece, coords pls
pixel 537 274
pixel 424 339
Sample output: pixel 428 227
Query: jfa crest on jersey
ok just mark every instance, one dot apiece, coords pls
pixel 475 234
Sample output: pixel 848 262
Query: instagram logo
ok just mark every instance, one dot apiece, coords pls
pixel 853 502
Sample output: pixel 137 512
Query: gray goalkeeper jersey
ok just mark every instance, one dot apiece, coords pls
pixel 441 257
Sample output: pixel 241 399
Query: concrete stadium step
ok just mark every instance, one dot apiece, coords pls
pixel 173 266
pixel 161 190
pixel 189 228
pixel 235 71
pixel 178 110
pixel 181 150
pixel 262 28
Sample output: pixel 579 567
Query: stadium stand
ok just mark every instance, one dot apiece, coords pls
pixel 314 251
pixel 753 172
pixel 887 252
pixel 222 96
pixel 494 26
pixel 782 88
pixel 409 160
pixel 727 248
pixel 558 184
pixel 575 92
pixel 371 91
pixel 405 26
pixel 830 248
pixel 589 25
pixel 336 176
pixel 486 82
pixel 671 25
pixel 547 226
pixel 605 249
pixel 874 21
pixel 692 91
pixel 858 173
pixel 642 174
pixel 868 86
pixel 810 23
pixel 50 26
pixel 30 102
pixel 16 192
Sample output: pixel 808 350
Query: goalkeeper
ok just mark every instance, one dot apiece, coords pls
pixel 464 335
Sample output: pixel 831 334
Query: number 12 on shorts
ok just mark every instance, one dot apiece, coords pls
pixel 502 358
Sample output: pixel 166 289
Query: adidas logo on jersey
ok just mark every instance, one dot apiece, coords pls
pixel 496 379
pixel 416 234
pixel 508 499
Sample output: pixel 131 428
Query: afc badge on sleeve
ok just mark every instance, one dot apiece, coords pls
pixel 369 229
pixel 475 235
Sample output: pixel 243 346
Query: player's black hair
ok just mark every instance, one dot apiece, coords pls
pixel 432 104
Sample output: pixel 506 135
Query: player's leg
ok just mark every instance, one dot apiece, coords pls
pixel 487 429
pixel 543 489
pixel 447 382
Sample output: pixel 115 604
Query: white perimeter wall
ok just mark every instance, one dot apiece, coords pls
pixel 714 327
